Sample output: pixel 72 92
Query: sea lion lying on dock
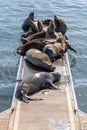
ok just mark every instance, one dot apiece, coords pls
pixel 37 44
pixel 56 50
pixel 38 28
pixel 39 59
pixel 38 35
pixel 49 33
pixel 36 83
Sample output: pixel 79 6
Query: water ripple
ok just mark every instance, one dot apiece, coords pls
pixel 13 13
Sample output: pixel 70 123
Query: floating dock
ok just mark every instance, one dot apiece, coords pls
pixel 57 111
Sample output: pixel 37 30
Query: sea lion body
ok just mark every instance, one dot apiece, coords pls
pixel 39 59
pixel 46 22
pixel 40 26
pixel 26 23
pixel 35 83
pixel 60 25
pixel 37 44
pixel 37 35
pixel 50 33
pixel 54 51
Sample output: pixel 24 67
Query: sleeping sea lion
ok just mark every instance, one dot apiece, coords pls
pixel 39 59
pixel 37 44
pixel 60 25
pixel 37 35
pixel 36 83
pixel 26 24
pixel 54 51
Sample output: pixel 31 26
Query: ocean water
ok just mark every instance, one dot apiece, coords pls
pixel 12 15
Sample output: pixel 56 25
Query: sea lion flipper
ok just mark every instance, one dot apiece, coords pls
pixel 35 99
pixel 52 86
pixel 70 47
pixel 25 99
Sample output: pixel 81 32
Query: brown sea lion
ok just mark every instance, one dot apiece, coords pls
pixel 37 44
pixel 39 59
pixel 54 51
pixel 36 83
pixel 60 25
pixel 33 27
pixel 38 35
pixel 26 24
pixel 40 26
pixel 50 33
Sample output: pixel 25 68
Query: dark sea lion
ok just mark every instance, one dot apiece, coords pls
pixel 60 25
pixel 39 59
pixel 35 29
pixel 40 26
pixel 46 22
pixel 50 33
pixel 36 83
pixel 33 26
pixel 37 44
pixel 26 24
pixel 38 35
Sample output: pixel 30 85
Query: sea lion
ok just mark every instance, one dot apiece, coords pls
pixel 36 83
pixel 37 28
pixel 50 33
pixel 26 23
pixel 37 44
pixel 54 51
pixel 60 25
pixel 46 22
pixel 33 26
pixel 39 59
pixel 40 26
pixel 37 35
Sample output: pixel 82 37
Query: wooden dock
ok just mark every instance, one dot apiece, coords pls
pixel 57 110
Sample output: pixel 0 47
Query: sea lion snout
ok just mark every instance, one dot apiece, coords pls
pixel 20 51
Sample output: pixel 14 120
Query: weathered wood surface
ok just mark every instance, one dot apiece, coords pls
pixel 56 106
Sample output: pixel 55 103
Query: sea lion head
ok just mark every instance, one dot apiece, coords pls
pixel 21 51
pixel 31 16
pixel 56 76
pixel 56 20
